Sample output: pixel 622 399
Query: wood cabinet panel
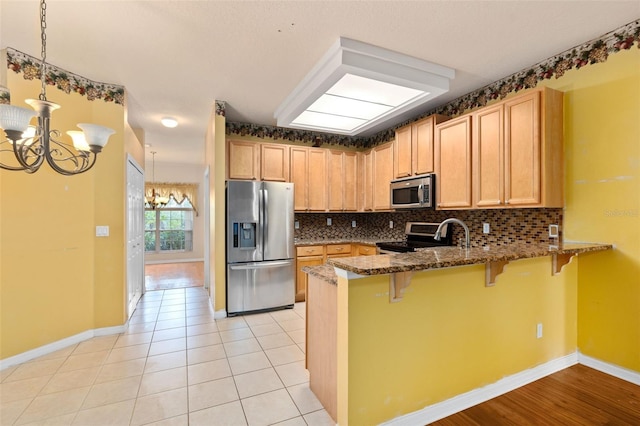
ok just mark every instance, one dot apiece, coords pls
pixel 310 251
pixel 274 162
pixel 317 180
pixel 350 181
pixel 302 277
pixel 402 153
pixel 453 163
pixel 382 176
pixel 366 186
pixel 339 249
pixel 488 157
pixel 413 147
pixel 366 250
pixel 335 184
pixel 299 174
pixel 243 160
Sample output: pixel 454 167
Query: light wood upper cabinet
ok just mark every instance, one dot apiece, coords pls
pixel 413 147
pixel 243 160
pixel 365 181
pixel 453 163
pixel 342 169
pixel 274 162
pixel 382 171
pixel 350 170
pixel 309 175
pixel 299 174
pixel 488 157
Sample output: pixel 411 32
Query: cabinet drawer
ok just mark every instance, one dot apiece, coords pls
pixel 309 251
pixel 338 249
pixel 367 250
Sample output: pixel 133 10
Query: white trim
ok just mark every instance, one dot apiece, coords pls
pixel 61 344
pixel 159 262
pixel 222 313
pixel 610 369
pixel 463 401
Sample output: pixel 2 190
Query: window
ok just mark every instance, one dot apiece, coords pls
pixel 169 228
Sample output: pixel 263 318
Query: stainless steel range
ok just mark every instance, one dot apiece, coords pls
pixel 418 235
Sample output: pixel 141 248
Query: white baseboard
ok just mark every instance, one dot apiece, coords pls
pixel 222 313
pixel 60 344
pixel 610 369
pixel 463 401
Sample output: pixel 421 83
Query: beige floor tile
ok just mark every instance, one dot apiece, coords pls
pixel 210 394
pixel 305 400
pixel 6 372
pixel 302 347
pixel 111 392
pixel 169 333
pixel 296 421
pixel 62 353
pixel 201 340
pixel 269 408
pixel 230 414
pixel 259 319
pixel 201 312
pixel 143 317
pixel 248 362
pixel 293 373
pixel 133 339
pixel 53 405
pixel 182 420
pixel 33 369
pixel 166 361
pixel 71 380
pixel 121 370
pixel 96 344
pixel 128 353
pixel 118 413
pixel 22 389
pixel 171 315
pixel 257 382
pixel 162 381
pixel 284 355
pixel 64 420
pixel 231 323
pixel 236 334
pixel 285 315
pixel 194 330
pixel 203 305
pixel 144 327
pixel 241 347
pixel 160 406
pixel 297 336
pixel 167 346
pixel 319 418
pixel 207 371
pixel 171 308
pixel 205 353
pixel 163 325
pixel 10 411
pixel 200 319
pixel 82 361
pixel 275 340
pixel 172 301
pixel 266 329
pixel 296 324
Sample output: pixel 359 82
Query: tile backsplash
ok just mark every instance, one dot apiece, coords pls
pixel 506 225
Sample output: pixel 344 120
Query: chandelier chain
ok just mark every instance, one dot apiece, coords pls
pixel 43 52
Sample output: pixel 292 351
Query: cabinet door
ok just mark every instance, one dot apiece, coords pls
pixel 301 277
pixel 274 163
pixel 382 176
pixel 317 179
pixel 488 157
pixel 423 146
pixel 299 175
pixel 366 175
pixel 453 163
pixel 522 150
pixel 350 181
pixel 402 155
pixel 335 183
pixel 243 160
pixel 366 250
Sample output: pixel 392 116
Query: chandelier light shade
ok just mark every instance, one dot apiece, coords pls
pixel 33 145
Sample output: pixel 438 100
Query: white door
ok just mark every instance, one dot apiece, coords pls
pixel 135 234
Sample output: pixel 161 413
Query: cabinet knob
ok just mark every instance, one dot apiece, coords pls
pixel 506 202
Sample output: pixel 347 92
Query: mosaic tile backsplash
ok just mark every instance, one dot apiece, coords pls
pixel 506 225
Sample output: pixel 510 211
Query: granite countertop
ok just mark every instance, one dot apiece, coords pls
pixel 318 242
pixel 443 257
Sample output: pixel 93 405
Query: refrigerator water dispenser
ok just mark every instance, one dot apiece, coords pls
pixel 244 235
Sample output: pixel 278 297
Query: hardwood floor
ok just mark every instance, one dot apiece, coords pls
pixel 577 395
pixel 166 276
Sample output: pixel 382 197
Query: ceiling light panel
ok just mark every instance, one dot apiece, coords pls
pixel 358 87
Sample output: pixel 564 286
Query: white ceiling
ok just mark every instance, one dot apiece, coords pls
pixel 176 57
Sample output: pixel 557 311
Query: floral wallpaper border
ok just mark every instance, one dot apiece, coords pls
pixel 592 52
pixel 66 81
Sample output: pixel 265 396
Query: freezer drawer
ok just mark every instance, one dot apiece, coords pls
pixel 260 285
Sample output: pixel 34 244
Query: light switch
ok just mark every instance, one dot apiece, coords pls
pixel 553 231
pixel 296 224
pixel 328 221
pixel 102 231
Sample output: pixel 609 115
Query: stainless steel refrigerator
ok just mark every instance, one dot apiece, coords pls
pixel 260 248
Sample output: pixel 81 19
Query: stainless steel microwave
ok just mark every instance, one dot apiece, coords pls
pixel 413 192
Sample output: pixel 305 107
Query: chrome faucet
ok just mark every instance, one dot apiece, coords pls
pixel 438 235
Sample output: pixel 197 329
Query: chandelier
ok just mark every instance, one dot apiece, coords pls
pixel 32 145
pixel 155 200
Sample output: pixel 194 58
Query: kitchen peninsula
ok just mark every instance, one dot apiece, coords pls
pixel 463 319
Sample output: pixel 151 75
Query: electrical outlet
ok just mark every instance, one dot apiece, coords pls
pixel 554 231
pixel 539 331
pixel 102 231
pixel 391 224
pixel 296 224
pixel 485 228
pixel 328 221
pixel 353 223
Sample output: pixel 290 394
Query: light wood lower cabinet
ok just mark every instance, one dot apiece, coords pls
pixel 306 256
pixel 365 250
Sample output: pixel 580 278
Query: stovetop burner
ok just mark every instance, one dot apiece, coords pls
pixel 418 235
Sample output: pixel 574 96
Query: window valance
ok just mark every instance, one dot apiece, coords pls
pixel 180 191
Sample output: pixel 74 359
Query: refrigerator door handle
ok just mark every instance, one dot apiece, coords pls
pixel 260 265
pixel 265 216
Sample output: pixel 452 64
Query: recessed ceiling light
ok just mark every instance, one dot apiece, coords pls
pixel 169 122
pixel 358 86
